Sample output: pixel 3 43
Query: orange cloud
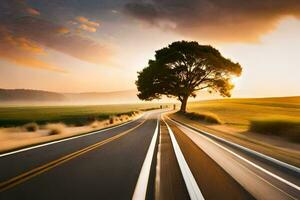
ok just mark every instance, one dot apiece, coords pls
pixel 24 38
pixel 22 51
pixel 86 24
pixel 31 34
pixel 63 30
pixel 87 28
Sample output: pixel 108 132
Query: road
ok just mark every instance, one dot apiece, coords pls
pixel 260 178
pixel 146 158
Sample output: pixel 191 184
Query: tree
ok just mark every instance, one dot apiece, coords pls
pixel 182 69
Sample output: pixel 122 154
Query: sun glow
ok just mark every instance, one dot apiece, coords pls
pixel 235 80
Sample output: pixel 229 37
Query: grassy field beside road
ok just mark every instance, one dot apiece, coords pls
pixel 267 125
pixel 240 112
pixel 73 115
pixel 30 125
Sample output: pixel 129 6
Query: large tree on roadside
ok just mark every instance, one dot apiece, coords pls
pixel 182 69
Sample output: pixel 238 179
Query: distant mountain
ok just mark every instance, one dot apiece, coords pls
pixel 27 96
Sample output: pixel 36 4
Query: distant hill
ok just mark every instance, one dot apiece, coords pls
pixel 27 96
pixel 16 95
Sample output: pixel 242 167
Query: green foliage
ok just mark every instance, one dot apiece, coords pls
pixel 69 115
pixel 286 128
pixel 183 68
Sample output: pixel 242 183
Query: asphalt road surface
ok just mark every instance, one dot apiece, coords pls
pixel 143 159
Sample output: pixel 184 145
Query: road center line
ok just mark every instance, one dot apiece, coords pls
pixel 191 184
pixel 142 183
pixel 36 171
pixel 66 139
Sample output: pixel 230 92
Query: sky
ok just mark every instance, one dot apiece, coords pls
pixel 99 45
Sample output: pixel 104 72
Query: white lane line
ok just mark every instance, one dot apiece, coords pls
pixel 66 139
pixel 191 184
pixel 242 158
pixel 278 162
pixel 158 164
pixel 142 183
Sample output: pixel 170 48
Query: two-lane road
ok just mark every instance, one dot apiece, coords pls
pixel 144 159
pixel 102 165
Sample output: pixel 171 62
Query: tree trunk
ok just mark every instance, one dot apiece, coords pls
pixel 183 104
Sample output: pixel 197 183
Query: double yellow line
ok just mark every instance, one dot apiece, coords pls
pixel 39 170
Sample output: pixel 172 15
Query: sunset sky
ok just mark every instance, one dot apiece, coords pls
pixel 99 45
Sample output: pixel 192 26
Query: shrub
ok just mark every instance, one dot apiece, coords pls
pixel 280 127
pixel 55 129
pixel 111 120
pixel 204 117
pixel 31 127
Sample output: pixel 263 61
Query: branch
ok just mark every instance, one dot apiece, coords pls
pixel 202 79
pixel 201 88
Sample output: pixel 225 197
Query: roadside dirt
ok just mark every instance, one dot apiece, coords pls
pixel 17 137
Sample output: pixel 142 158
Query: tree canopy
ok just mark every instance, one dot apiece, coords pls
pixel 182 69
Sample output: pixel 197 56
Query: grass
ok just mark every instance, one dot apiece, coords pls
pixel 209 118
pixel 240 112
pixel 287 128
pixel 266 116
pixel 69 115
pixel 31 127
pixel 271 116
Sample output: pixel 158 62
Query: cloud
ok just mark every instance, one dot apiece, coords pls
pixel 215 20
pixel 87 28
pixel 32 11
pixel 63 30
pixel 86 24
pixel 46 34
pixel 26 36
pixel 17 7
pixel 22 51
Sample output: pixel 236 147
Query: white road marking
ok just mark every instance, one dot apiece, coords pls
pixel 278 162
pixel 142 183
pixel 66 139
pixel 191 184
pixel 158 164
pixel 239 156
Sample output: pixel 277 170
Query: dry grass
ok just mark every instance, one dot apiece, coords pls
pixel 18 137
pixel 31 127
pixel 209 118
pixel 240 112
pixel 274 146
pixel 55 129
pixel 286 128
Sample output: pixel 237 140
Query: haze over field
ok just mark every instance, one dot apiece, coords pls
pixel 25 97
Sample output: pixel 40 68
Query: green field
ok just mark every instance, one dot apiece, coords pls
pixel 75 115
pixel 240 112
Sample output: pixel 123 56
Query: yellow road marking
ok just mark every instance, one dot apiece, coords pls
pixel 36 171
